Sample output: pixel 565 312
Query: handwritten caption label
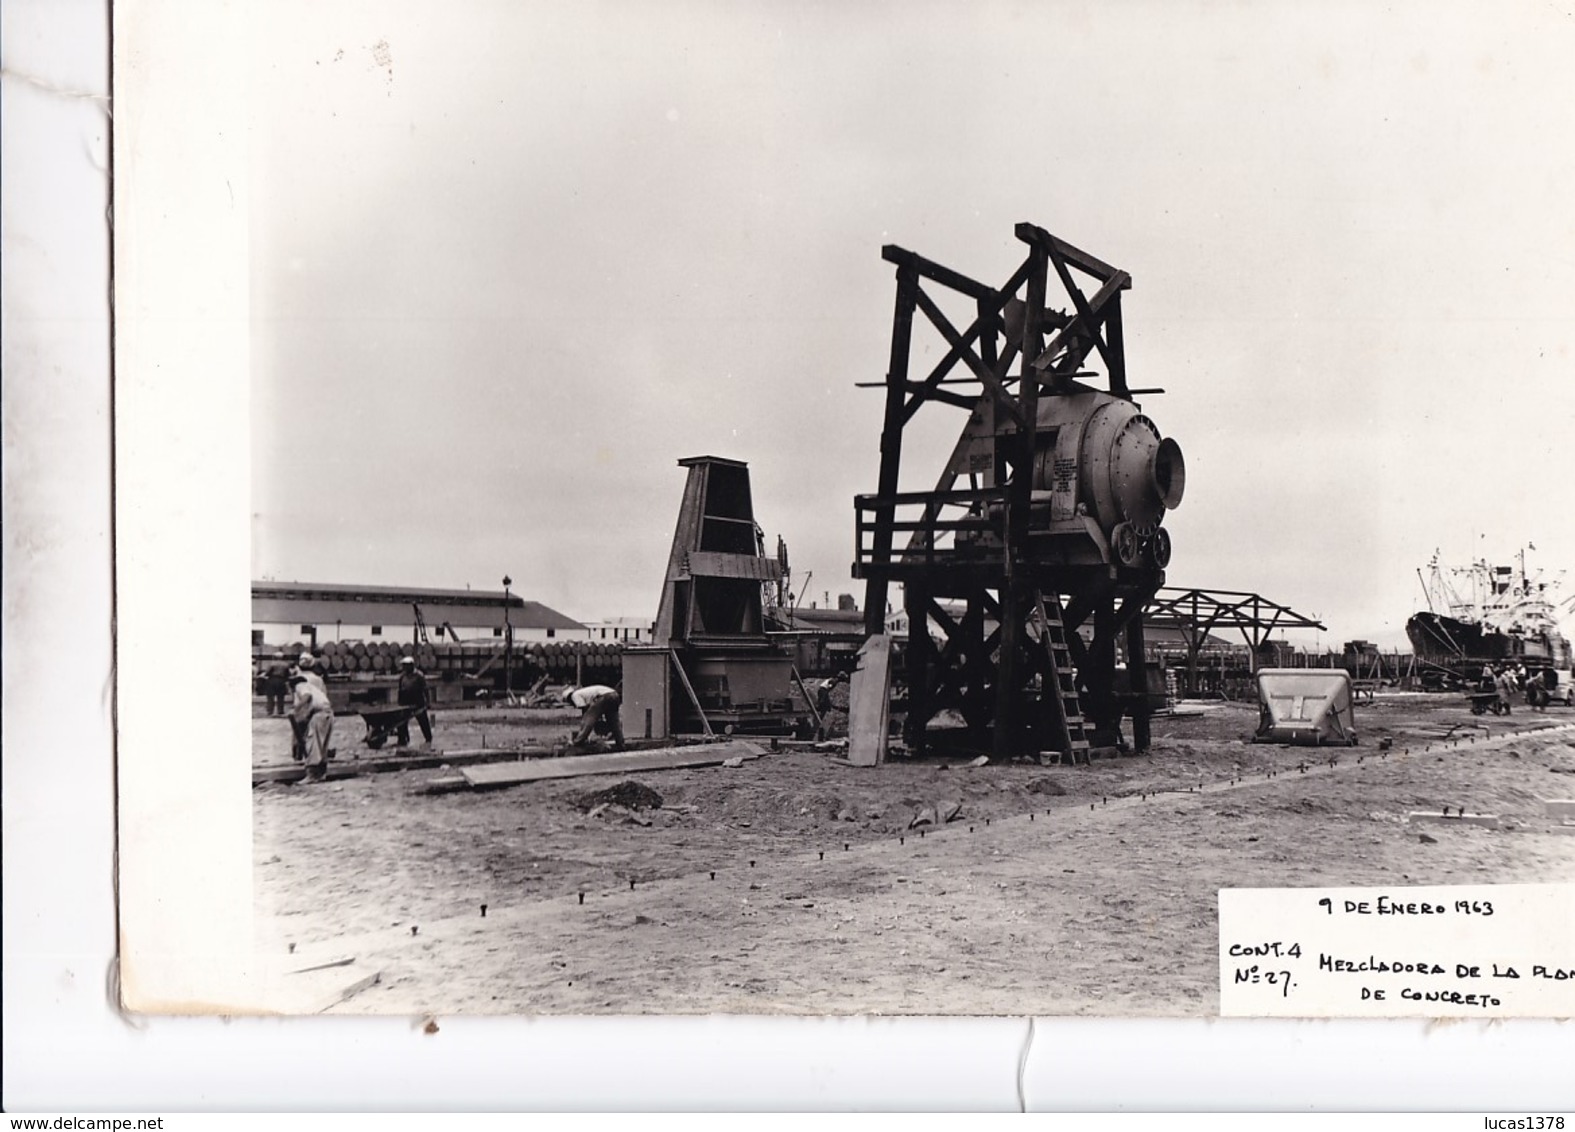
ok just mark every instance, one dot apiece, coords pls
pixel 1467 951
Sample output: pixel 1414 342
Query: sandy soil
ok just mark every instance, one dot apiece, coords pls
pixel 1088 890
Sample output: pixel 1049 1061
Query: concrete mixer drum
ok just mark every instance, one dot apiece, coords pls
pixel 1099 456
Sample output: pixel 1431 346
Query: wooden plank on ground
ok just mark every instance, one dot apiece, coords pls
pixel 617 762
pixel 424 760
pixel 297 771
pixel 869 703
pixel 1488 821
pixel 305 987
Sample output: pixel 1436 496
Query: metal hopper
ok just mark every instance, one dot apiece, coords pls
pixel 1311 707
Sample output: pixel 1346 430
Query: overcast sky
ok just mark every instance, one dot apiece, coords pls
pixel 512 261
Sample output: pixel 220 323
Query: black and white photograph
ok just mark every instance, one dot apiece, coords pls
pixel 792 509
pixel 764 509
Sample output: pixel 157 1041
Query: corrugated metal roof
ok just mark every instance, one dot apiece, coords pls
pixel 309 603
pixel 328 591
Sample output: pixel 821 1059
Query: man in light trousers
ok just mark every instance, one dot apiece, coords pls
pixel 313 717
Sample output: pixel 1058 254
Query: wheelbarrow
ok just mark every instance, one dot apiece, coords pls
pixel 385 720
pixel 1485 703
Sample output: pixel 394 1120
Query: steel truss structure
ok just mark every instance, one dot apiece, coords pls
pixel 1196 613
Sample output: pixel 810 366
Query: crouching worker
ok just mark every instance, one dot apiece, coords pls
pixel 313 717
pixel 600 705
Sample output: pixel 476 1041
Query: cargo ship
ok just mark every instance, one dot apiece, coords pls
pixel 1483 614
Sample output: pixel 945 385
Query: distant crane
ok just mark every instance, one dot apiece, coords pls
pixel 421 628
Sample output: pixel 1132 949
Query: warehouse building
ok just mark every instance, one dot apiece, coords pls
pixel 314 613
pixel 624 630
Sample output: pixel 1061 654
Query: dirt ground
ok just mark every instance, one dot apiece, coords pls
pixel 794 883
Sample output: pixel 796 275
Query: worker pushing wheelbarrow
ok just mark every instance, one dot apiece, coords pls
pixel 1487 703
pixel 387 720
pixel 394 719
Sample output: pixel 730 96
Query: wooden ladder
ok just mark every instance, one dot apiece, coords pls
pixel 1068 710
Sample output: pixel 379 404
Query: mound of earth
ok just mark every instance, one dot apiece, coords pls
pixel 628 794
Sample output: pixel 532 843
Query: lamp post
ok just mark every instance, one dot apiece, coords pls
pixel 508 644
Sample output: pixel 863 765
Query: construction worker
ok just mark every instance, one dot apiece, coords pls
pixel 276 684
pixel 599 705
pixel 413 693
pixel 312 668
pixel 1537 690
pixel 313 718
pixel 1505 683
pixel 308 666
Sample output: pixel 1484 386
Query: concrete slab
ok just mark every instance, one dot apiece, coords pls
pixel 618 762
pixel 423 760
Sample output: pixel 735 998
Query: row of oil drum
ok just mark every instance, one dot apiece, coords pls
pixel 559 661
pixel 369 657
pixel 594 661
pixel 553 658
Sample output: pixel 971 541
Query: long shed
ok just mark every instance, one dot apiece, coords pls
pixel 314 613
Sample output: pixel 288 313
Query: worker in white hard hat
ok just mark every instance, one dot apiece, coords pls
pixel 598 704
pixel 305 666
pixel 313 717
pixel 413 693
pixel 311 668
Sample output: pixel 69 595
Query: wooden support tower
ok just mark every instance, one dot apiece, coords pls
pixel 1025 571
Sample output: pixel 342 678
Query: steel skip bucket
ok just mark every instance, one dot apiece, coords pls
pixel 1311 707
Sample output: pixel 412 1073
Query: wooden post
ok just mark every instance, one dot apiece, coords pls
pixel 1099 677
pixel 869 703
pixel 814 711
pixel 890 449
pixel 690 688
pixel 1007 694
pixel 1137 684
pixel 916 603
